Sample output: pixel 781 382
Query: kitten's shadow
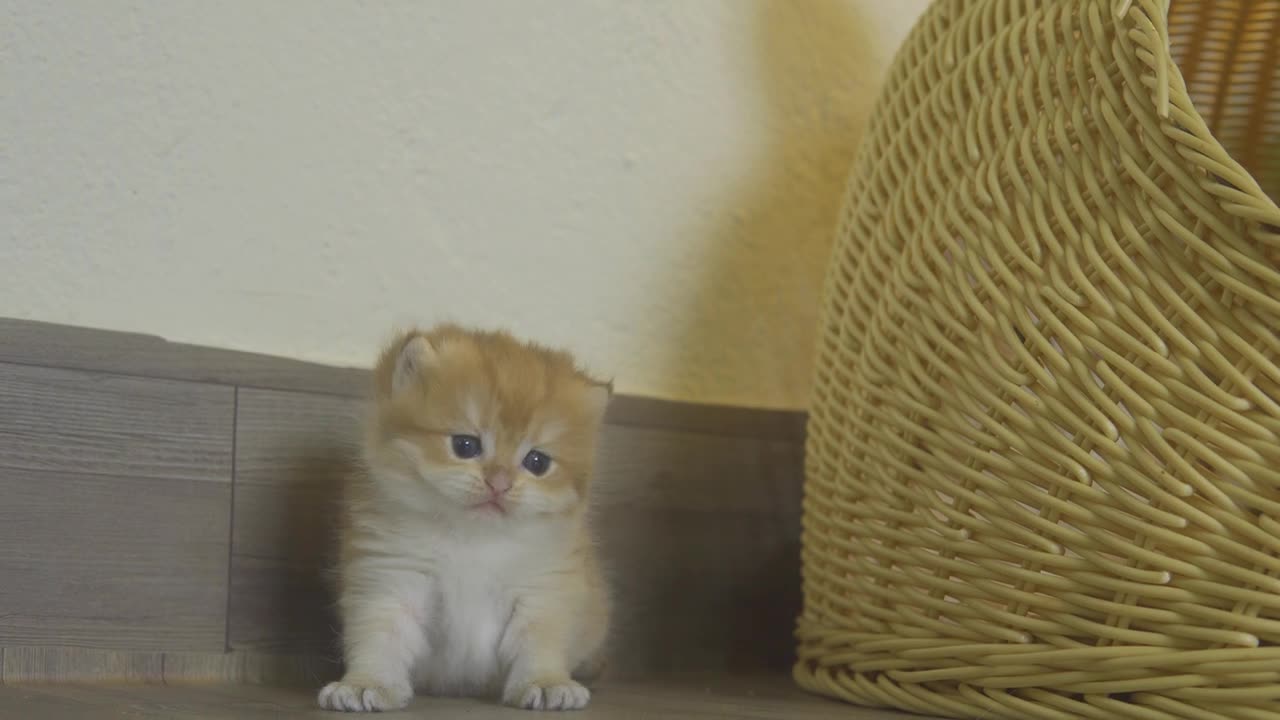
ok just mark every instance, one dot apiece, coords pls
pixel 291 598
pixel 315 534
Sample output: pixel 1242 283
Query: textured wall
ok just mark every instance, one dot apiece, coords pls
pixel 653 184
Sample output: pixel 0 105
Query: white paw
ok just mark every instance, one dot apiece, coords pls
pixel 359 696
pixel 567 695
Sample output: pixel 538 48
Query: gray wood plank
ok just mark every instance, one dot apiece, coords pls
pixel 108 561
pixel 255 668
pixel 50 345
pixel 768 423
pixel 69 420
pixel 78 664
pixel 292 452
pixel 701 535
pixel 680 470
pixel 59 664
pixel 701 591
pixel 736 697
pixel 28 342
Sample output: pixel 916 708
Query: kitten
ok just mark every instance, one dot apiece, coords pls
pixel 466 565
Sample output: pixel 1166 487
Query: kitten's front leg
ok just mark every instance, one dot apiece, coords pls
pixel 383 615
pixel 536 651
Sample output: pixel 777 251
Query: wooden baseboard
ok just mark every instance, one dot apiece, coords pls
pixel 168 509
pixel 44 664
pixel 27 342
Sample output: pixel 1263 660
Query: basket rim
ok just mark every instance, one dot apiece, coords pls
pixel 1147 23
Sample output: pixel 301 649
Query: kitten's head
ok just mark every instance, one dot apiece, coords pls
pixel 484 425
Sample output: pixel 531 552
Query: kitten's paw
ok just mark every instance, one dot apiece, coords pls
pixel 559 695
pixel 360 696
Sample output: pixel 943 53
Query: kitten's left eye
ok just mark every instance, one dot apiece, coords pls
pixel 537 462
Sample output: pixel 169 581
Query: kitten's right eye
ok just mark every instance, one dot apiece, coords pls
pixel 466 446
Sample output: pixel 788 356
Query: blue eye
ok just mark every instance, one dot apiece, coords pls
pixel 537 462
pixel 466 446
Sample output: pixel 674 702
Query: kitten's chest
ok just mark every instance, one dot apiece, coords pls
pixel 472 599
pixel 475 580
pixel 472 590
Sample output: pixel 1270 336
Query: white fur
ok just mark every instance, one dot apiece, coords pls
pixel 441 603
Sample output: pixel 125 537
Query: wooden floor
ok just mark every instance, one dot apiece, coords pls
pixel 769 699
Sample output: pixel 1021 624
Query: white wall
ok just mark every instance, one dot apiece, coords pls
pixel 653 183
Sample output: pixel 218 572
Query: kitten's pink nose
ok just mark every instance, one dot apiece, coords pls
pixel 499 482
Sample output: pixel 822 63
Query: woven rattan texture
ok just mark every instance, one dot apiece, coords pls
pixel 1043 467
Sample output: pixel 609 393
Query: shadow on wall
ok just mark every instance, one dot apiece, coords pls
pixel 767 261
pixel 817 68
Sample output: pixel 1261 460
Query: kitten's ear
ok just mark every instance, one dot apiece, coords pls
pixel 598 396
pixel 416 355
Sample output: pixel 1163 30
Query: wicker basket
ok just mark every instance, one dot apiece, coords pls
pixel 1043 468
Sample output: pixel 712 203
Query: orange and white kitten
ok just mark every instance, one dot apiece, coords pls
pixel 466 565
